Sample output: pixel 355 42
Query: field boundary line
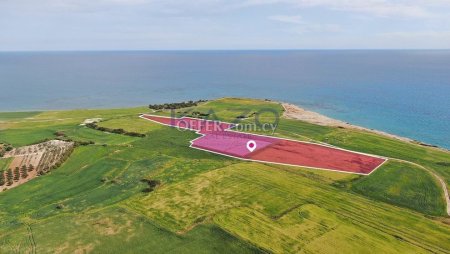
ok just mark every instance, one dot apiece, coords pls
pixel 260 161
pixel 232 125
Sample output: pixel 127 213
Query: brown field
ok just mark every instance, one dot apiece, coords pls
pixel 36 159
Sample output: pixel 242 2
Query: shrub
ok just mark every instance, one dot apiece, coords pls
pixel 24 171
pixel 9 177
pixel 16 174
pixel 2 178
pixel 152 184
pixel 115 131
pixel 60 134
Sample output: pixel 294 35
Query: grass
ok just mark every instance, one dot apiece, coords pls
pixel 82 133
pixel 8 116
pixel 309 229
pixel 130 123
pixel 4 163
pixel 27 136
pixel 259 204
pixel 117 230
pixel 39 197
pixel 371 143
pixel 56 120
pixel 208 203
pixel 405 185
pixel 363 141
pixel 433 159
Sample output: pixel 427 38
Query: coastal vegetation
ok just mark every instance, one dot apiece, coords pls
pixel 127 194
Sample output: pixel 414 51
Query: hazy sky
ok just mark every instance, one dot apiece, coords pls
pixel 223 24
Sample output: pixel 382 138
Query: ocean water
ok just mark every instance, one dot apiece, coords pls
pixel 402 92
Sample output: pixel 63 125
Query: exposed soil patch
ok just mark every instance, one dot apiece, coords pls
pixel 34 160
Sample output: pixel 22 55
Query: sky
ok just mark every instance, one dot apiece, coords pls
pixel 32 25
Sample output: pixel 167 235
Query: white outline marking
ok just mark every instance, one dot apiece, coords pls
pixel 269 162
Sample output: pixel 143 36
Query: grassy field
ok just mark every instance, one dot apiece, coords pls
pixel 130 123
pixel 247 198
pixel 4 163
pixel 208 203
pixel 117 230
pixel 403 184
pixel 9 116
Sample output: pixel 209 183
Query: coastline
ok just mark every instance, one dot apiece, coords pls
pixel 291 111
pixel 295 112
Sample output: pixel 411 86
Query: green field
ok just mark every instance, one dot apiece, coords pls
pixel 9 116
pixel 206 203
pixel 4 163
pixel 403 184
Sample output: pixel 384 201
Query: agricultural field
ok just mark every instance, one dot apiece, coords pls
pixel 122 194
pixel 403 184
pixel 25 163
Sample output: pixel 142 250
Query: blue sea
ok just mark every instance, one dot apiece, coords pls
pixel 401 92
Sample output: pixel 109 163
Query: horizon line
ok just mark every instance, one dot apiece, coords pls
pixel 199 50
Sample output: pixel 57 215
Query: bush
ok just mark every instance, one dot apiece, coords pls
pixel 84 143
pixel 135 134
pixel 9 177
pixel 2 178
pixel 24 171
pixel 152 184
pixel 175 105
pixel 16 174
pixel 115 131
pixel 60 134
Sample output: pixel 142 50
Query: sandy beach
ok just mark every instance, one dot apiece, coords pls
pixel 292 111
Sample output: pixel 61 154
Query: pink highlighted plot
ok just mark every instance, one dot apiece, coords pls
pixel 218 138
pixel 231 143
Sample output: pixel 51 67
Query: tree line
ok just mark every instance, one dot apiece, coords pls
pixel 116 131
pixel 176 105
pixel 14 175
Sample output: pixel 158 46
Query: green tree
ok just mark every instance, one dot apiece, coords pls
pixel 24 171
pixel 2 178
pixel 16 174
pixel 9 177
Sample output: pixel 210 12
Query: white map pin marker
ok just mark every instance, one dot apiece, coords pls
pixel 251 145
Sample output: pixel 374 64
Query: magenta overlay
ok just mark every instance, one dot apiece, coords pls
pixel 218 138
